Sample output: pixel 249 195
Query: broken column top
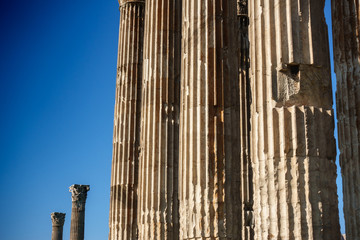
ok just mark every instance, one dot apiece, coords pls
pixel 58 218
pixel 79 192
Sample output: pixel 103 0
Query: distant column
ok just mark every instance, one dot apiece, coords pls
pixel 124 176
pixel 58 220
pixel 79 194
pixel 346 28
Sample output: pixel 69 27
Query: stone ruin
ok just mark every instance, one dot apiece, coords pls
pixel 224 126
pixel 77 227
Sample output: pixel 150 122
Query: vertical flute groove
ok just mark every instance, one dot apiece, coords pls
pixel 245 100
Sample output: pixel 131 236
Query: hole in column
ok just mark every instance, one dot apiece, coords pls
pixel 294 69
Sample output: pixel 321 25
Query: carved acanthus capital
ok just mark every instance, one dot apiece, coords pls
pixel 79 194
pixel 58 219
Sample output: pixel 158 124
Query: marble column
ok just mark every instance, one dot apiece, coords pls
pixel 124 176
pixel 158 161
pixel 78 196
pixel 292 128
pixel 209 159
pixel 58 220
pixel 346 28
pixel 245 100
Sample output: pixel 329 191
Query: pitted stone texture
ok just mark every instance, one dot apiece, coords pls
pixel 346 28
pixel 292 142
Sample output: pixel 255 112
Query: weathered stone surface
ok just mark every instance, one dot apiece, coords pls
pixel 78 196
pixel 124 179
pixel 292 141
pixel 58 220
pixel 209 162
pixel 256 147
pixel 346 27
pixel 159 141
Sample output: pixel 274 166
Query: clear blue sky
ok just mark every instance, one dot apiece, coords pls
pixel 57 90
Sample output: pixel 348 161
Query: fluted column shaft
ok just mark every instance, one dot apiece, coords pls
pixel 158 161
pixel 57 232
pixel 58 220
pixel 292 126
pixel 123 197
pixel 209 162
pixel 346 28
pixel 77 223
pixel 79 194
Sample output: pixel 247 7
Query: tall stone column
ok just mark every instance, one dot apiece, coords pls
pixel 292 126
pixel 78 196
pixel 124 176
pixel 58 220
pixel 209 162
pixel 346 28
pixel 245 100
pixel 158 162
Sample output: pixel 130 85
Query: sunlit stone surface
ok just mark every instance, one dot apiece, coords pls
pixel 223 122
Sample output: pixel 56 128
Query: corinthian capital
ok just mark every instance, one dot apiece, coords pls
pixel 79 194
pixel 58 219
